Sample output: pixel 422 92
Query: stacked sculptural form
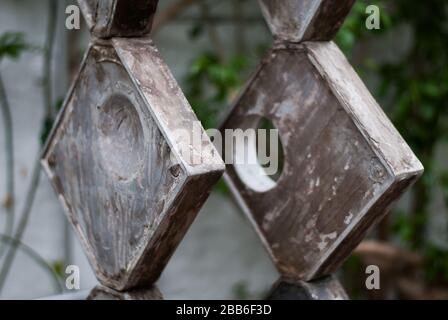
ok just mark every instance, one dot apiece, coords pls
pixel 117 162
pixel 344 162
pixel 114 156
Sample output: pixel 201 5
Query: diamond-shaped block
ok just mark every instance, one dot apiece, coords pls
pixel 118 18
pixel 344 163
pixel 305 20
pixel 117 162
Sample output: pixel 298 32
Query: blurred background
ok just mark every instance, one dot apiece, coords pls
pixel 212 48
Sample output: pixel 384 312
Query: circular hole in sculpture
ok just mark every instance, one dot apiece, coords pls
pixel 258 155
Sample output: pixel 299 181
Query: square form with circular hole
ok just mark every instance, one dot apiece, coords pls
pixel 344 162
pixel 115 160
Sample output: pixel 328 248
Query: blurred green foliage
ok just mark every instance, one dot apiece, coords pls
pixel 241 291
pixel 354 26
pixel 48 122
pixel 414 92
pixel 436 264
pixel 211 83
pixel 58 267
pixel 12 45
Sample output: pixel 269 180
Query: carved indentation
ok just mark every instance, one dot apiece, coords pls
pixel 121 137
pixel 113 160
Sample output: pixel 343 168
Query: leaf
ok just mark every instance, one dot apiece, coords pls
pixel 431 90
pixel 12 45
pixel 58 268
pixel 436 263
pixel 196 31
pixel 46 129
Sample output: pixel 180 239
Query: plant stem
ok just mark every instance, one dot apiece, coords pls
pixel 48 57
pixel 11 253
pixel 238 13
pixel 213 34
pixel 31 253
pixel 171 13
pixel 9 153
pixel 49 114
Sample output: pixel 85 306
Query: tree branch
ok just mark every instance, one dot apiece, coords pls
pixel 238 13
pixel 391 258
pixel 171 13
pixel 212 32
